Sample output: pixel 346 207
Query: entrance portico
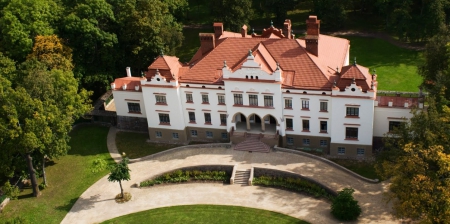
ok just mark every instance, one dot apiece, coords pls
pixel 254 124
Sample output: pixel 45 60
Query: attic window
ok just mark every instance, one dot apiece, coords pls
pixel 251 76
pixel 203 86
pixel 288 91
pixel 256 77
pixel 304 92
pixel 220 87
pixel 187 85
pixel 246 76
pixel 353 89
pixel 157 79
pixel 323 93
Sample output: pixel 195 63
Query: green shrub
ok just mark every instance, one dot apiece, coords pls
pixel 178 176
pixel 11 191
pixel 344 206
pixel 294 184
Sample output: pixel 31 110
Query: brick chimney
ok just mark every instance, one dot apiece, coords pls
pixel 244 30
pixel 207 42
pixel 312 35
pixel 218 29
pixel 287 28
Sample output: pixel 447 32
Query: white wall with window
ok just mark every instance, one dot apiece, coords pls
pixel 383 115
pixel 122 99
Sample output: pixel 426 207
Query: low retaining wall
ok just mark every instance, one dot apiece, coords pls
pixel 373 181
pixel 3 204
pixel 258 172
pixel 181 148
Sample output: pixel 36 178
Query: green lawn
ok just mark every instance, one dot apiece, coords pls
pixel 207 214
pixel 135 145
pixel 365 169
pixel 68 178
pixel 396 67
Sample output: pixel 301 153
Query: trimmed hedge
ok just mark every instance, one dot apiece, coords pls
pixel 294 184
pixel 179 176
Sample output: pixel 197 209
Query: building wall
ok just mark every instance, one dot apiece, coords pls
pixel 167 135
pixel 122 98
pixel 382 116
pixel 350 150
pixel 201 134
pixel 314 142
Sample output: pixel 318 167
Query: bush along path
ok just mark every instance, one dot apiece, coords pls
pixel 179 176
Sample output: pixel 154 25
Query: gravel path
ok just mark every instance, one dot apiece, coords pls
pixel 97 203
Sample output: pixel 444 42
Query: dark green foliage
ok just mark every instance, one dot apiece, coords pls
pixel 233 13
pixel 179 176
pixel 332 13
pixel 295 184
pixel 119 173
pixel 344 206
pixel 10 191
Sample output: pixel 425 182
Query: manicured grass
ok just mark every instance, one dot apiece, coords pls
pixel 207 214
pixel 396 67
pixel 135 145
pixel 365 169
pixel 68 178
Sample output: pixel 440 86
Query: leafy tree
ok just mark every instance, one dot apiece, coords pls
pixel 233 13
pixel 344 206
pixel 417 162
pixel 279 8
pixel 332 13
pixel 119 172
pixel 22 20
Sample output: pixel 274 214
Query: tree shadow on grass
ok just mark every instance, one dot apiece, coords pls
pixel 79 204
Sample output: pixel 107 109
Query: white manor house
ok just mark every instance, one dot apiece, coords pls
pixel 265 89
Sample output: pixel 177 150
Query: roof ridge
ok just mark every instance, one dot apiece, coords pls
pixel 243 59
pixel 269 54
pixel 209 53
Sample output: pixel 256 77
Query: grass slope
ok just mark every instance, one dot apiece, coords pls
pixel 68 178
pixel 135 145
pixel 396 67
pixel 207 214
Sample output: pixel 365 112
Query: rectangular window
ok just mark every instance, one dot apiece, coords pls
pixel 323 106
pixel 223 119
pixel 289 124
pixel 221 99
pixel 305 104
pixel 323 143
pixel 353 111
pixel 341 150
pixel 253 100
pixel 268 101
pixel 306 141
pixel 288 103
pixel 323 126
pixel 164 119
pixel 209 134
pixel 134 108
pixel 351 133
pixel 224 135
pixel 175 135
pixel 189 98
pixel 160 99
pixel 290 140
pixel 194 133
pixel 192 117
pixel 305 124
pixel 205 98
pixel 238 99
pixel 158 134
pixel 359 152
pixel 208 118
pixel 394 125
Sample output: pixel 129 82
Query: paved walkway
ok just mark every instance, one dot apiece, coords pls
pixel 97 203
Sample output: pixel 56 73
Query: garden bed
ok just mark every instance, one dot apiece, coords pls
pixel 189 175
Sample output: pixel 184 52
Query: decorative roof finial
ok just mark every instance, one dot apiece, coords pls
pixel 250 53
pixel 224 63
pixel 353 80
pixel 142 73
pixel 157 71
pixel 371 85
pixel 253 30
pixel 337 69
pixel 278 67
pixel 161 52
pixel 334 83
pixel 354 61
pixel 271 23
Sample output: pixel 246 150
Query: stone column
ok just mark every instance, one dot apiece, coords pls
pixel 263 125
pixel 248 124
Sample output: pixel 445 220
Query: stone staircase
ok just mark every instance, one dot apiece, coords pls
pixel 252 144
pixel 241 177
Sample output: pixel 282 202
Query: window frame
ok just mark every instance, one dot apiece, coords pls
pixel 205 99
pixel 341 151
pixel 287 103
pixel 323 143
pixel 194 133
pixel 323 106
pixel 289 140
pixel 190 117
pixel 306 142
pixel 358 152
pixel 175 135
pixel 289 124
pixel 223 119
pixel 209 134
pixel 351 133
pixel 238 100
pixel 161 99
pixel 352 112
pixel 158 134
pixel 164 119
pixel 221 99
pixel 207 118
pixel 305 125
pixel 268 101
pixel 321 126
pixel 253 100
pixel 134 107
pixel 392 126
pixel 305 104
pixel 189 98
pixel 224 135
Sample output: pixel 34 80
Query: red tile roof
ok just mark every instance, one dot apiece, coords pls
pixel 131 82
pixel 361 75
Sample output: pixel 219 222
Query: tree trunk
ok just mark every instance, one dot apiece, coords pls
pixel 43 171
pixel 32 173
pixel 121 189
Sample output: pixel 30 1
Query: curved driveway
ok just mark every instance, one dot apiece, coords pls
pixel 97 203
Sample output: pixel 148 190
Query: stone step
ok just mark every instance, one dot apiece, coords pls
pixel 241 177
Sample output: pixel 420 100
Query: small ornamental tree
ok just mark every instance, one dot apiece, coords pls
pixel 344 206
pixel 120 172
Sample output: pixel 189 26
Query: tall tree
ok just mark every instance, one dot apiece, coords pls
pixel 277 7
pixel 332 13
pixel 417 162
pixel 233 13
pixel 22 20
